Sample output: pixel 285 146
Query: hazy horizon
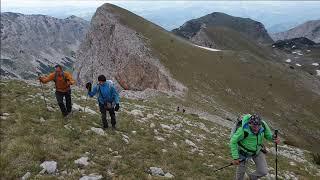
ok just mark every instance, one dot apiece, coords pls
pixel 275 15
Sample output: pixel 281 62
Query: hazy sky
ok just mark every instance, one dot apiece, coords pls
pixel 172 14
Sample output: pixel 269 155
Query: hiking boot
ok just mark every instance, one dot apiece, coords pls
pixel 114 128
pixel 105 127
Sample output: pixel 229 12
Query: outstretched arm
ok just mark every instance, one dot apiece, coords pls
pixel 93 92
pixel 48 78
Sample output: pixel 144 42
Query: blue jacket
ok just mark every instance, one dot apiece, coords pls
pixel 109 93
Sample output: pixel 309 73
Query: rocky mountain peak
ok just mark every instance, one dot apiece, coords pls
pixel 249 28
pixel 122 54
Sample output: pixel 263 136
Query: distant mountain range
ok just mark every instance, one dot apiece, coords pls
pixel 310 30
pixel 31 43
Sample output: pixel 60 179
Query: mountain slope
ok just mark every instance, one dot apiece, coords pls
pixel 309 29
pixel 36 42
pixel 249 28
pixel 150 134
pixel 225 81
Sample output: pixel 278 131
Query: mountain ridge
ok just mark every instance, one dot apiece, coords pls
pixel 31 43
pixel 309 29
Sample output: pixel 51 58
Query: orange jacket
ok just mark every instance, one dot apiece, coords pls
pixel 61 84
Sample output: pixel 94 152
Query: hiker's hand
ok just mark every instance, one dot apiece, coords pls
pixel 117 107
pixel 41 79
pixel 236 162
pixel 69 83
pixel 276 140
pixel 88 86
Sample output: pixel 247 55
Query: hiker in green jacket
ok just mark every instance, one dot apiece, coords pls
pixel 247 142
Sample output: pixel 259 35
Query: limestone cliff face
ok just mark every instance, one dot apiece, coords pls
pixel 121 54
pixel 31 43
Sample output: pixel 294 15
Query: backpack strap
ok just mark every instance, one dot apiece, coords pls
pixel 56 76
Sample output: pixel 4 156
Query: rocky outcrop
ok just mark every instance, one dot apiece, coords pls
pixel 201 38
pixel 122 54
pixel 310 30
pixel 31 43
pixel 295 43
pixel 248 27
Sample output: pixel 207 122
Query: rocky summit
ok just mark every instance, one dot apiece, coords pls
pixel 123 54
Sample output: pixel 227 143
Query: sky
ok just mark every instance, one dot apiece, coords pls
pixel 275 15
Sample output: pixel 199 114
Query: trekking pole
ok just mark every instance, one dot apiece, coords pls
pixel 227 166
pixel 276 135
pixel 44 98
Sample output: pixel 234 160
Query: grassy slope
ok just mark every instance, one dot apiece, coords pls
pixel 238 80
pixel 26 142
pixel 228 39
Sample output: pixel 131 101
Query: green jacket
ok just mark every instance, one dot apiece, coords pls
pixel 252 143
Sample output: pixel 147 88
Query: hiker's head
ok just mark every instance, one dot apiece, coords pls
pixel 58 68
pixel 102 79
pixel 255 123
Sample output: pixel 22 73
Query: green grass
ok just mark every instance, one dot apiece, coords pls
pixel 26 142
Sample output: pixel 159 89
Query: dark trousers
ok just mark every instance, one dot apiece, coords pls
pixel 65 109
pixel 112 114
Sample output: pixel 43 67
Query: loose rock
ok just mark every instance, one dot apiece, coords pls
pixel 83 161
pixel 49 166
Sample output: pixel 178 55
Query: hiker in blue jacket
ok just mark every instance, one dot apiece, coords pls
pixel 108 99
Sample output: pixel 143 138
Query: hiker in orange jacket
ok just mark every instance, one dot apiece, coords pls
pixel 63 81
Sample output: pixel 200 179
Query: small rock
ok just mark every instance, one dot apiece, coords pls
pixel 164 150
pixel 49 108
pixel 168 175
pixel 159 138
pixel 155 171
pixel 155 131
pixel 292 163
pixel 117 157
pixel 152 125
pixel 115 153
pixel 163 126
pixel 125 140
pixel 49 166
pixel 83 161
pixel 110 173
pixel 149 116
pixel 5 114
pixel 175 144
pixel 91 177
pixel 136 112
pixel 26 176
pixel 98 131
pixel 42 119
pixel 3 117
pixel 190 143
pixel 134 132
